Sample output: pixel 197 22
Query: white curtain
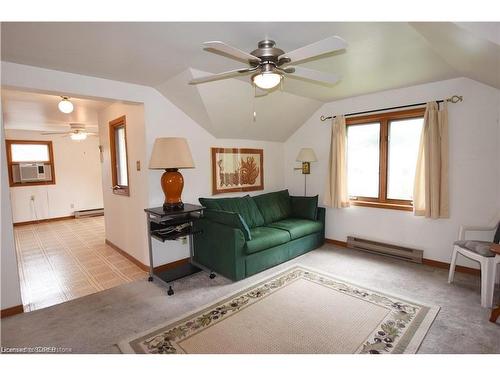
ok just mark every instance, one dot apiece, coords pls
pixel 430 193
pixel 336 184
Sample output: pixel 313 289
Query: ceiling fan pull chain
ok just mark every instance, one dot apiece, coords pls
pixel 254 95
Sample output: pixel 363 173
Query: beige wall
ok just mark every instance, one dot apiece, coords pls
pixel 78 180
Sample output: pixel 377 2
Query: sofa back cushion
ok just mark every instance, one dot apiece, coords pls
pixel 305 207
pixel 274 206
pixel 245 206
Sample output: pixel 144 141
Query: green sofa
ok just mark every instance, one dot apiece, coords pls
pixel 239 237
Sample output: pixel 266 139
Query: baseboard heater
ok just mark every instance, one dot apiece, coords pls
pixel 87 213
pixel 381 248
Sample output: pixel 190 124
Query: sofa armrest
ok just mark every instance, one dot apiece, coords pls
pixel 231 219
pixel 219 247
pixel 321 216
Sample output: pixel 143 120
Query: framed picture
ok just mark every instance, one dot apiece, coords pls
pixel 237 169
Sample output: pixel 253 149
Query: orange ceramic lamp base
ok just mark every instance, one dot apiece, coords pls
pixel 172 184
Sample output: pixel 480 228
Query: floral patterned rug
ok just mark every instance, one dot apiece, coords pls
pixel 299 310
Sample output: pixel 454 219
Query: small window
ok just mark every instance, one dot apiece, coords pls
pixel 381 158
pixel 30 163
pixel 119 159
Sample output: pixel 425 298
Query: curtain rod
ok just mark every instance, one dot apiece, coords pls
pixel 453 99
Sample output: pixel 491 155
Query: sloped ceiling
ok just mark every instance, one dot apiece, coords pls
pixel 380 56
pixel 229 109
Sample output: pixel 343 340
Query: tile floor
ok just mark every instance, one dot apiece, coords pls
pixel 63 260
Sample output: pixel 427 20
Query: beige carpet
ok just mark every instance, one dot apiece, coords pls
pixel 297 311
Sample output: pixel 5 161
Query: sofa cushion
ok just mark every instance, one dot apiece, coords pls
pixel 478 247
pixel 231 219
pixel 298 227
pixel 304 207
pixel 264 238
pixel 245 206
pixel 274 206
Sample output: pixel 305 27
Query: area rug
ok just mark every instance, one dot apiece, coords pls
pixel 299 310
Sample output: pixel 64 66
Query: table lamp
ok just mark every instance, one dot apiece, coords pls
pixel 306 156
pixel 171 154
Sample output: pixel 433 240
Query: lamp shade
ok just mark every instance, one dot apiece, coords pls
pixel 171 152
pixel 306 155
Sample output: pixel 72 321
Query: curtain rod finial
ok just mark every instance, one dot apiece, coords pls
pixel 455 99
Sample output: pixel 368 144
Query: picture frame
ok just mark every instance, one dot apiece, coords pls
pixel 237 169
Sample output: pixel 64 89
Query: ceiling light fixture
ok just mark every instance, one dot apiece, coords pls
pixel 78 136
pixel 267 80
pixel 65 106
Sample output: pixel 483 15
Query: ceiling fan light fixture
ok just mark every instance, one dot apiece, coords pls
pixel 65 106
pixel 267 80
pixel 78 136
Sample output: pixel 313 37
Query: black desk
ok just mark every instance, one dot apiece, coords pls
pixel 171 225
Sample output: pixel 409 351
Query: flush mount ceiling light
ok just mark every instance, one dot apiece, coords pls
pixel 65 106
pixel 78 136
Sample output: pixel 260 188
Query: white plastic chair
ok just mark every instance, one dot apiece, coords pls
pixel 489 265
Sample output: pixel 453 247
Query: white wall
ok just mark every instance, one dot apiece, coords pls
pixel 124 215
pixel 78 179
pixel 474 169
pixel 161 118
pixel 9 278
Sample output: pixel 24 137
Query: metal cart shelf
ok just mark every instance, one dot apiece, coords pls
pixel 168 226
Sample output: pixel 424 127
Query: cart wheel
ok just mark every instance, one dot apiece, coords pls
pixel 212 275
pixel 170 291
pixel 150 278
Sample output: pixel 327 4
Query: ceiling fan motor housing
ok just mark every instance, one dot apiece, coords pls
pixel 267 53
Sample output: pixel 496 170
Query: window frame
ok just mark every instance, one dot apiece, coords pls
pixel 10 163
pixel 384 119
pixel 115 187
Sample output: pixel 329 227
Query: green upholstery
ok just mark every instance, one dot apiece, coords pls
pixel 245 206
pixel 274 206
pixel 223 244
pixel 298 227
pixel 264 238
pixel 220 248
pixel 231 219
pixel 265 259
pixel 304 207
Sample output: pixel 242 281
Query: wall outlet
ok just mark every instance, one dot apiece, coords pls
pixel 71 205
pixel 32 198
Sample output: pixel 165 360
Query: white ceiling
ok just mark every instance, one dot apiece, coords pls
pixel 380 56
pixel 36 111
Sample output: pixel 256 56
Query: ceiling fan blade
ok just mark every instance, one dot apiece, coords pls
pixel 223 75
pixel 314 75
pixel 330 44
pixel 51 133
pixel 230 51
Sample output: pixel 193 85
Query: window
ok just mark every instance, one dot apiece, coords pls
pixel 30 163
pixel 381 158
pixel 119 160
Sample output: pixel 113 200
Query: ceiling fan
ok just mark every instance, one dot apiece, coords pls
pixel 269 65
pixel 77 132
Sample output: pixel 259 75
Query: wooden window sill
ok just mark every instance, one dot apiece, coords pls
pixel 389 206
